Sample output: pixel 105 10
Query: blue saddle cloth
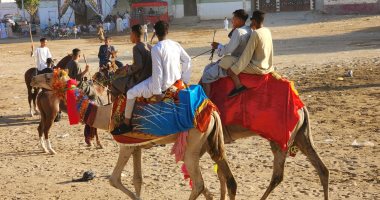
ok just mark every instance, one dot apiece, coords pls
pixel 169 117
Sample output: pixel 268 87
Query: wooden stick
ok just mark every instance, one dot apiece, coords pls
pixel 213 50
pixel 31 40
pixel 85 60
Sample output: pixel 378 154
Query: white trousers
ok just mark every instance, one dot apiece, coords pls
pixel 143 89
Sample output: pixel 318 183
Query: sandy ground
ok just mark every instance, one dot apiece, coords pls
pixel 311 49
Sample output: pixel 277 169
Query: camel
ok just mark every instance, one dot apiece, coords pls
pixel 197 144
pixel 301 137
pixel 49 105
pixel 33 91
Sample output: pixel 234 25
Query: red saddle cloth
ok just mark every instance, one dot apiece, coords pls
pixel 269 106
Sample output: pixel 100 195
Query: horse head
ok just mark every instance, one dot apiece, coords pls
pixel 42 81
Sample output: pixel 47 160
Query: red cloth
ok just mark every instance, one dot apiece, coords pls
pixel 72 111
pixel 269 106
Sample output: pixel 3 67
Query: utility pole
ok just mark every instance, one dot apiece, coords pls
pixel 23 10
pixel 59 13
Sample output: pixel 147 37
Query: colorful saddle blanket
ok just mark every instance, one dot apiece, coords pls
pixel 269 106
pixel 186 109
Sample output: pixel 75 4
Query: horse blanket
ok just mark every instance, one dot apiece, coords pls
pixel 269 106
pixel 178 112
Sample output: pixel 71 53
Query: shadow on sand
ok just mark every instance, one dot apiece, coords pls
pixel 17 120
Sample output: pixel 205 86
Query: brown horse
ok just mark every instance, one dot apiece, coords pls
pixel 49 105
pixel 33 91
pixel 300 137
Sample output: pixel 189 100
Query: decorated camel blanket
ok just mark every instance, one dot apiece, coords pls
pixel 269 106
pixel 183 108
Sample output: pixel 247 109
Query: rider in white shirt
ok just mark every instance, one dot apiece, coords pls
pixel 170 63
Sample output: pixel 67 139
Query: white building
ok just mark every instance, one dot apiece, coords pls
pixel 207 9
pixel 10 7
pixel 48 9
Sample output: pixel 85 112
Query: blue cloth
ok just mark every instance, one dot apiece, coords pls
pixel 165 118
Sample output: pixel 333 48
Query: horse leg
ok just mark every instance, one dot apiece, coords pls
pixel 34 97
pixel 137 171
pixel 195 141
pixel 29 88
pixel 49 120
pixel 115 179
pixel 278 169
pixel 41 132
pixel 304 141
pixel 97 140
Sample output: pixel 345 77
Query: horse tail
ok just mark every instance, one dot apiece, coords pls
pixel 215 139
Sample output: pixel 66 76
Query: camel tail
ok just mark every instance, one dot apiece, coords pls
pixel 215 139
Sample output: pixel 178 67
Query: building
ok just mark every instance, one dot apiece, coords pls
pixel 10 7
pixel 351 6
pixel 218 9
pixel 48 14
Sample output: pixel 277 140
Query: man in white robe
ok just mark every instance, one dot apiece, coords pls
pixel 119 24
pixel 170 63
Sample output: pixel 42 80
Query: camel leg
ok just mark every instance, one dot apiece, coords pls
pixel 223 184
pixel 227 180
pixel 195 141
pixel 304 141
pixel 278 169
pixel 115 179
pixel 137 171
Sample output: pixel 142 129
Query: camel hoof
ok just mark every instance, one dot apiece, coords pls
pixel 100 146
pixel 52 152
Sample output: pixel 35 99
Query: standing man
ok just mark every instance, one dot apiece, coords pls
pixel 226 24
pixel 75 72
pixel 145 28
pixel 170 63
pixel 42 53
pixel 105 51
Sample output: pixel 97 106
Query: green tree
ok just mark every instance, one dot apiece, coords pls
pixel 31 6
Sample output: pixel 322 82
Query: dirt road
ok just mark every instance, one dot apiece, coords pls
pixel 311 49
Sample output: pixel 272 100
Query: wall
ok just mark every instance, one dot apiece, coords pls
pixel 10 7
pixel 219 10
pixel 212 9
pixel 352 6
pixel 49 9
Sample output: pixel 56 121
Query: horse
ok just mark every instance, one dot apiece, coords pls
pixel 33 91
pixel 301 137
pixel 49 105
